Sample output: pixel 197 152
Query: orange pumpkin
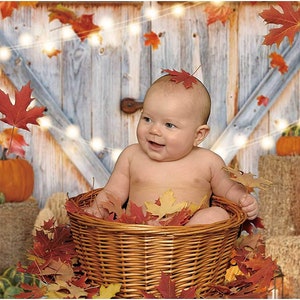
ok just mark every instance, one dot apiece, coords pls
pixel 288 145
pixel 16 180
pixel 289 142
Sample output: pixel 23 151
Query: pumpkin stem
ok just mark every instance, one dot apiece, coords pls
pixel 4 154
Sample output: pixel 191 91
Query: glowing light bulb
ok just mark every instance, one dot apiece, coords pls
pixel 151 13
pixel 106 23
pixel 281 124
pixel 5 53
pixel 73 132
pixel 25 39
pixel 97 144
pixel 178 10
pixel 267 143
pixel 240 140
pixel 44 122
pixel 134 28
pixel 48 47
pixel 67 32
pixel 94 39
pixel 115 154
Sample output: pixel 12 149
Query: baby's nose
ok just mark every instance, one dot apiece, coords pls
pixel 155 129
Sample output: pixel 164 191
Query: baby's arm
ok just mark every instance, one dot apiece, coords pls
pixel 116 188
pixel 223 186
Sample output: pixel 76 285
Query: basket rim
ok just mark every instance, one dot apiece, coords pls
pixel 235 220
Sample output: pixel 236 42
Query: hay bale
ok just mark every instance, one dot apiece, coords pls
pixel 286 250
pixel 16 224
pixel 280 204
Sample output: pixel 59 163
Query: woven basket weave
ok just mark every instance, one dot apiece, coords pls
pixel 135 255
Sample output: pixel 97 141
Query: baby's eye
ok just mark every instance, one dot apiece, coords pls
pixel 147 119
pixel 170 125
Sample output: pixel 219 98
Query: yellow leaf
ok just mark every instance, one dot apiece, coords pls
pixel 108 292
pixel 167 205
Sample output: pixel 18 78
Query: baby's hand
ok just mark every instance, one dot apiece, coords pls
pixel 249 205
pixel 97 209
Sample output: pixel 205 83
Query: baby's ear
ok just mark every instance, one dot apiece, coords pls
pixel 201 134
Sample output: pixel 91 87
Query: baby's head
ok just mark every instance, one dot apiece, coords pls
pixel 196 99
pixel 174 119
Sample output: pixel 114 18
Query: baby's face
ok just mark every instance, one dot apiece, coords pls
pixel 167 129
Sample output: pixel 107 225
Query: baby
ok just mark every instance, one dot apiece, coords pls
pixel 167 156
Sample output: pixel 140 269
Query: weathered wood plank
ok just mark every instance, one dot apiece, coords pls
pixel 77 150
pixel 250 114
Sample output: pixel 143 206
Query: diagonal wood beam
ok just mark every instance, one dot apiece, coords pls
pixel 79 152
pixel 250 113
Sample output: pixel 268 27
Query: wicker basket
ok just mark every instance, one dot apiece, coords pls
pixel 135 255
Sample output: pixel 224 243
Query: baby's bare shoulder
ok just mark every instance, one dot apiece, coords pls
pixel 209 156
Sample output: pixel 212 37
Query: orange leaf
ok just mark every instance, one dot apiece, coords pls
pixel 7 8
pixel 83 25
pixel 278 61
pixel 18 114
pixel 217 13
pixel 289 19
pixel 13 141
pixel 152 39
pixel 52 52
pixel 262 100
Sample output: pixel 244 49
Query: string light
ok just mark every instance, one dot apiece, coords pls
pixel 281 124
pixel 48 47
pixel 97 144
pixel 267 143
pixel 94 39
pixel 151 13
pixel 73 132
pixel 106 23
pixel 67 32
pixel 5 53
pixel 240 140
pixel 45 122
pixel 25 39
pixel 177 10
pixel 134 28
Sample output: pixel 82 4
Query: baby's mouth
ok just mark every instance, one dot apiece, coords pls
pixel 155 145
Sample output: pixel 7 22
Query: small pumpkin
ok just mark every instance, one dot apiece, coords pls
pixel 289 142
pixel 16 180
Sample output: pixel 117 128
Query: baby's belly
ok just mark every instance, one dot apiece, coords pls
pixel 141 194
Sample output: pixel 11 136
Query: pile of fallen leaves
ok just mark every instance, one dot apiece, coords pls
pixel 53 260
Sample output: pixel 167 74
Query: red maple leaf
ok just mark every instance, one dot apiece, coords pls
pixel 249 225
pixel 82 25
pixel 152 39
pixel 13 141
pixel 217 13
pixel 289 19
pixel 18 114
pixel 262 100
pixel 278 61
pixel 167 289
pixel 7 8
pixel 31 291
pixel 182 76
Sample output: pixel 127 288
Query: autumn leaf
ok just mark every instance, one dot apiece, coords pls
pixel 52 52
pixel 152 39
pixel 82 25
pixel 108 292
pixel 31 291
pixel 166 205
pixel 250 225
pixel 167 289
pixel 7 7
pixel 277 61
pixel 289 19
pixel 13 141
pixel 247 179
pixel 217 13
pixel 182 76
pixel 18 114
pixel 262 100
